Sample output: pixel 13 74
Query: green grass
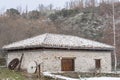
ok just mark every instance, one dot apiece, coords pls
pixel 10 74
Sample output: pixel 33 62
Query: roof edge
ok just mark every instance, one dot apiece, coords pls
pixel 65 48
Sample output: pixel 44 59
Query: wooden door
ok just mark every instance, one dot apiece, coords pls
pixel 67 64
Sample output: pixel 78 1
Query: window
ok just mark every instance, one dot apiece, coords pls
pixel 97 63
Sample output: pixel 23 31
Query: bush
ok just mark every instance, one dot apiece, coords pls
pixel 63 13
pixel 53 17
pixel 34 14
pixel 2 61
pixel 67 13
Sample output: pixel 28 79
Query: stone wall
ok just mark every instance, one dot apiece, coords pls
pixel 50 60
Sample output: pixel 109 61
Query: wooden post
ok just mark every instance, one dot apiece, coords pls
pixel 19 66
pixel 39 71
pixel 114 37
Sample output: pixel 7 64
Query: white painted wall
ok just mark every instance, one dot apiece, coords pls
pixel 51 59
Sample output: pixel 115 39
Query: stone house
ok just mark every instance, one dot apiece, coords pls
pixel 58 52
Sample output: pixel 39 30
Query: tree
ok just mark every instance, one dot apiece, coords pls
pixel 50 7
pixel 34 14
pixel 41 8
pixel 12 12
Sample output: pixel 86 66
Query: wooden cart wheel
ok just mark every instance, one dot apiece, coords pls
pixel 13 64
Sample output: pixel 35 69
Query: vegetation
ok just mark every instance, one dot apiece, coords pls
pixel 34 14
pixel 2 61
pixel 6 74
pixel 88 19
pixel 12 12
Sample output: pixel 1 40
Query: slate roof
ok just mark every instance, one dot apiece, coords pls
pixel 58 41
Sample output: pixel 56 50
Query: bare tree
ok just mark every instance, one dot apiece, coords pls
pixel 41 7
pixel 50 7
pixel 19 8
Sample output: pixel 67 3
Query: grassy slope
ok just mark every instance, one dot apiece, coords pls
pixel 9 74
pixel 6 74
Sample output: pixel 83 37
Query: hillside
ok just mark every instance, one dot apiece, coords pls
pixel 92 22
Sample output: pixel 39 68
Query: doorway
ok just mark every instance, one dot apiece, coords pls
pixel 67 64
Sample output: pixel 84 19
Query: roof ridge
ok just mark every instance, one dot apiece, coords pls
pixel 46 34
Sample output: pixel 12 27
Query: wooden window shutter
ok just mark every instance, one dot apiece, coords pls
pixel 97 63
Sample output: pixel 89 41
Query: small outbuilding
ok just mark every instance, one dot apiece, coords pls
pixel 58 52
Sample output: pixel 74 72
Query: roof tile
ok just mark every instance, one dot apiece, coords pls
pixel 57 40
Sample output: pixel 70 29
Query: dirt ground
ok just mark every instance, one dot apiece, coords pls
pixel 76 75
